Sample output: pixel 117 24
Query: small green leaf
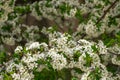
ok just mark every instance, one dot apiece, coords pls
pixel 11 2
pixel 48 3
pixel 37 9
pixel 22 9
pixel 95 74
pixel 112 68
pixel 112 21
pixel 7 77
pixel 65 8
pixel 76 55
pixel 78 70
pixel 79 16
pixel 88 60
pixel 2 57
pixel 74 78
pixel 1 12
pixel 95 49
pixel 107 2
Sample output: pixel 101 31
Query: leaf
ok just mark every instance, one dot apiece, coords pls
pixel 2 57
pixel 112 21
pixel 79 16
pixel 22 9
pixel 11 16
pixel 88 59
pixel 78 70
pixel 7 77
pixel 95 49
pixel 1 12
pixel 12 2
pixel 112 68
pixel 48 3
pixel 95 74
pixel 37 9
pixel 76 55
pixel 74 78
pixel 107 2
pixel 45 74
pixel 65 8
pixel 6 27
pixel 110 42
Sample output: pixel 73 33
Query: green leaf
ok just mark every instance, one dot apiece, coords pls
pixel 111 42
pixel 45 74
pixel 88 60
pixel 7 77
pixel 48 3
pixel 22 9
pixel 108 40
pixel 65 8
pixel 95 49
pixel 79 16
pixel 37 9
pixel 112 68
pixel 107 2
pixel 76 55
pixel 95 74
pixel 2 57
pixel 78 70
pixel 12 2
pixel 6 27
pixel 99 25
pixel 112 21
pixel 11 16
pixel 53 29
pixel 1 12
pixel 74 78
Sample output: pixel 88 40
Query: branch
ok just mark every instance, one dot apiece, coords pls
pixel 106 11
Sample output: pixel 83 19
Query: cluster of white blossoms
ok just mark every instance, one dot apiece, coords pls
pixel 57 61
pixel 76 15
pixel 22 71
pixel 62 52
pixel 97 9
pixel 60 40
pixel 6 7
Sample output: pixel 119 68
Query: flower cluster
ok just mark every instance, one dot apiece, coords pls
pixel 60 40
pixel 84 59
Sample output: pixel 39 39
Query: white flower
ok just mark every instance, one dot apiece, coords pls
pixel 10 65
pixel 85 76
pixel 115 60
pixel 115 49
pixel 58 61
pixel 92 30
pixel 18 49
pixel 34 45
pixel 44 45
pixel 9 41
pixel 29 61
pixel 27 76
pixel 102 48
pixel 16 76
pixel 73 12
pixel 41 67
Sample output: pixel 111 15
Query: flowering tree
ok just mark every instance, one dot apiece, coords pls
pixel 60 40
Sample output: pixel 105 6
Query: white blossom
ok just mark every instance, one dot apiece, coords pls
pixel 18 49
pixel 34 45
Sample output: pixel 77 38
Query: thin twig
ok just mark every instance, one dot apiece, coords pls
pixel 106 11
